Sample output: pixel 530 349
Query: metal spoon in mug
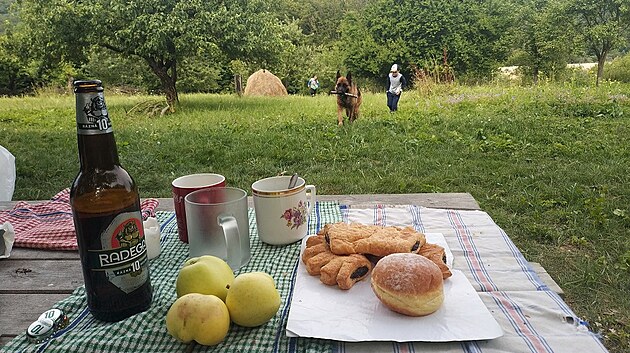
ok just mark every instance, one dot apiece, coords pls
pixel 293 181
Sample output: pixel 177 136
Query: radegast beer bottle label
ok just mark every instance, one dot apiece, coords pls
pixel 92 116
pixel 123 254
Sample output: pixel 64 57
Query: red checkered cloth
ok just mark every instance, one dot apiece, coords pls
pixel 49 224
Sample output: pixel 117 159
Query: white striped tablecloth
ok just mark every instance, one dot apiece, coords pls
pixel 533 317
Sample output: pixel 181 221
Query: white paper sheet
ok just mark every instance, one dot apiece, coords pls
pixel 355 315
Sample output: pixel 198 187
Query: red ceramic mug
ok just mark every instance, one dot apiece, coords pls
pixel 183 186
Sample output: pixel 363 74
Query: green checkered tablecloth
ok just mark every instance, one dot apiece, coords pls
pixel 146 332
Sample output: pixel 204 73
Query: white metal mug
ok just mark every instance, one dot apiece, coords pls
pixel 282 213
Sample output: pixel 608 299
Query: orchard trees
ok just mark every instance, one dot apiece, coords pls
pixel 162 33
pixel 603 25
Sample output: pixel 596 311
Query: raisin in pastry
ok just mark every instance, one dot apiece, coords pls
pixel 345 271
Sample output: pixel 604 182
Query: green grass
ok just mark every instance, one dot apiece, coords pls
pixel 550 164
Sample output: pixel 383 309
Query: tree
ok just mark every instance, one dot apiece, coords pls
pixel 160 32
pixel 603 24
pixel 541 39
pixel 319 20
pixel 365 55
pixel 419 32
pixel 14 80
pixel 317 49
pixel 5 17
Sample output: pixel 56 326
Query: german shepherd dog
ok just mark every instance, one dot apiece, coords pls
pixel 348 98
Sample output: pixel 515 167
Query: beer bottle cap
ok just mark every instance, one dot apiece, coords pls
pixel 40 330
pixel 83 86
pixel 46 325
pixel 59 318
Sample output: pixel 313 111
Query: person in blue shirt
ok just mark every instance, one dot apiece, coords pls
pixel 395 84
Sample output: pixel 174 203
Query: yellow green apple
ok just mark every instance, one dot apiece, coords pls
pixel 205 275
pixel 252 299
pixel 200 317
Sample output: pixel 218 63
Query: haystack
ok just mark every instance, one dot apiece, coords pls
pixel 264 83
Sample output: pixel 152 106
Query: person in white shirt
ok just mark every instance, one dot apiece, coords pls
pixel 395 84
pixel 313 85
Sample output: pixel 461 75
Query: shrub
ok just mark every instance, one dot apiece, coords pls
pixel 618 69
pixel 14 80
pixel 578 77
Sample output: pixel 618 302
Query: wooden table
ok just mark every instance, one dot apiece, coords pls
pixel 31 281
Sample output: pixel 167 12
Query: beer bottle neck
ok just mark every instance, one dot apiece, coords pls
pixel 97 151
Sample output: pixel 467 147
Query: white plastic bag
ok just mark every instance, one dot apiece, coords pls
pixel 7 174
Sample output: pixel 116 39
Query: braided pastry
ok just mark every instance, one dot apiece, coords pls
pixel 346 239
pixel 341 270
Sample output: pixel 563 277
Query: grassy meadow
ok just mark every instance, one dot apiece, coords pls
pixel 550 164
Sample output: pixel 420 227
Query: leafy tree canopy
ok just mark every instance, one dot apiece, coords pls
pixel 420 32
pixel 161 32
pixel 603 25
pixel 173 45
pixel 541 39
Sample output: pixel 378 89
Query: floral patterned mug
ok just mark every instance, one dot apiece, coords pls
pixel 282 213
